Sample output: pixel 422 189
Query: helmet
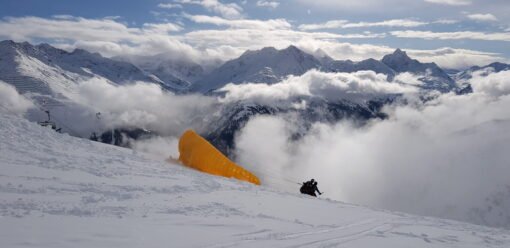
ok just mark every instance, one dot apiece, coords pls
pixel 313 180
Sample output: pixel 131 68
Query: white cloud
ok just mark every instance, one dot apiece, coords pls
pixel 462 35
pixel 455 58
pixel 161 28
pixel 494 84
pixel 11 102
pixel 144 105
pixel 170 6
pixel 446 21
pixel 230 10
pixel 113 38
pixel 269 4
pixel 442 158
pixel 244 23
pixel 451 2
pixel 357 5
pixel 109 37
pixel 345 24
pixel 240 40
pixel 63 17
pixel 483 17
pixel 444 57
pixel 358 86
pixel 326 25
pixel 388 23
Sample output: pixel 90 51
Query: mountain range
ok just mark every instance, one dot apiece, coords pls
pixel 54 73
pixel 57 71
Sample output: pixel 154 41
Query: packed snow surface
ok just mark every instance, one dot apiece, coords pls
pixel 60 191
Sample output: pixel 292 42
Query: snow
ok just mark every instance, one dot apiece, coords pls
pixel 52 71
pixel 61 191
pixel 267 65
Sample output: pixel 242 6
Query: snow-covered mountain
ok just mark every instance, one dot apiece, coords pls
pixel 179 71
pixel 48 70
pixel 432 76
pixel 268 65
pixel 483 70
pixel 60 191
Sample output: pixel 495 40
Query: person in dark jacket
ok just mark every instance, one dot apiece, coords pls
pixel 309 188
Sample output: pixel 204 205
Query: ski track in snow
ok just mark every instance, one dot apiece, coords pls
pixel 61 191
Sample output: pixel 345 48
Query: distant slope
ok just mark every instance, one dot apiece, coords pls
pixel 59 191
pixel 263 66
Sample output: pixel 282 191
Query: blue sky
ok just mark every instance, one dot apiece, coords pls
pixel 453 33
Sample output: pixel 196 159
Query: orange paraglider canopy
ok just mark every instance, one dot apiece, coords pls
pixel 197 153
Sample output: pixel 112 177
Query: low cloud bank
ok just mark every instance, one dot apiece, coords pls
pixel 145 106
pixel 447 157
pixel 11 101
pixel 357 86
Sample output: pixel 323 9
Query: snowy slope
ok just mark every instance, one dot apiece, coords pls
pixel 46 69
pixel 168 68
pixel 263 66
pixel 60 191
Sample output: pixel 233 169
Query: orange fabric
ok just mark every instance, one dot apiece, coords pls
pixel 197 153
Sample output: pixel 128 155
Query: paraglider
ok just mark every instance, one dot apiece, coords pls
pixel 197 153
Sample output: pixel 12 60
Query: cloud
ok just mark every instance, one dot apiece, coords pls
pixel 245 24
pixel 356 87
pixel 451 2
pixel 269 4
pixel 11 102
pixel 231 43
pixel 446 21
pixel 462 35
pixel 451 58
pixel 446 157
pixel 326 25
pixel 356 5
pixel 494 84
pixel 445 57
pixel 482 17
pixel 106 36
pixel 170 6
pixel 208 46
pixel 161 28
pixel 345 24
pixel 230 10
pixel 144 105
